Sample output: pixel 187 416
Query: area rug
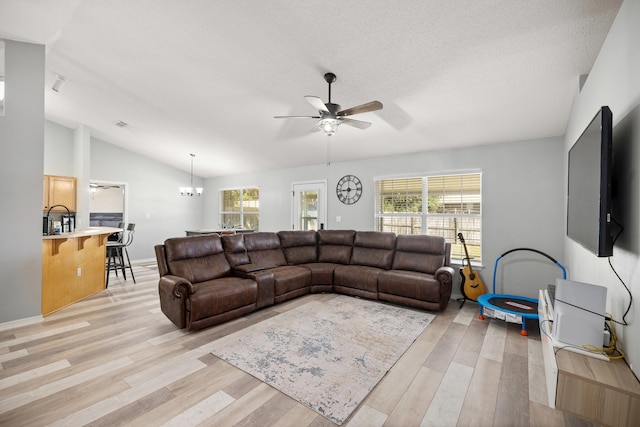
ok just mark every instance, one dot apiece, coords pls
pixel 326 355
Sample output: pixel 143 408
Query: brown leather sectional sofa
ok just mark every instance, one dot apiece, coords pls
pixel 206 280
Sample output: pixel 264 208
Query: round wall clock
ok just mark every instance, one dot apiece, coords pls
pixel 349 189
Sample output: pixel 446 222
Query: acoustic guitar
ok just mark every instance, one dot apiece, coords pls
pixel 472 285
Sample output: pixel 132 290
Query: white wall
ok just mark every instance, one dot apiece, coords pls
pixel 107 199
pixel 154 202
pixel 522 200
pixel 58 149
pixel 615 81
pixel 21 165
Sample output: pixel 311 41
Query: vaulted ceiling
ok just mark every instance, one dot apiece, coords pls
pixel 207 77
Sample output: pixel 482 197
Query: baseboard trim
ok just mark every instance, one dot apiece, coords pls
pixel 20 322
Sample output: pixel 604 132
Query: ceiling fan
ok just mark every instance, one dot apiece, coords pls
pixel 331 116
pixel 94 186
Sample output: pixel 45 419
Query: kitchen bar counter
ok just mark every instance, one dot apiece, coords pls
pixel 217 231
pixel 73 266
pixel 91 231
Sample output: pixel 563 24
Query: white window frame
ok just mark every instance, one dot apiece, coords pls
pixel 420 222
pixel 241 212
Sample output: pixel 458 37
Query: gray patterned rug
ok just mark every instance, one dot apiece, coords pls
pixel 326 355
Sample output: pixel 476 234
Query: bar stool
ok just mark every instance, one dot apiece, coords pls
pixel 116 251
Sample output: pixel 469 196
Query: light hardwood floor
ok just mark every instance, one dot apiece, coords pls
pixel 115 359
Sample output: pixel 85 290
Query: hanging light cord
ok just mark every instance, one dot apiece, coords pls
pixel 192 156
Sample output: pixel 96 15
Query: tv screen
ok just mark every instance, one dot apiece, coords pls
pixel 589 192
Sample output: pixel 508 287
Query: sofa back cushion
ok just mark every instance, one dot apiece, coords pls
pixel 374 249
pixel 335 246
pixel 424 254
pixel 196 258
pixel 299 247
pixel 235 250
pixel 264 249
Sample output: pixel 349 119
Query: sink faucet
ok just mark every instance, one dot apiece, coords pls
pixel 68 213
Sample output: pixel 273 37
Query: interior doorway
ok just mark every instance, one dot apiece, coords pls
pixel 309 210
pixel 107 204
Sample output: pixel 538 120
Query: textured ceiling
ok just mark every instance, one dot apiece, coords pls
pixel 207 77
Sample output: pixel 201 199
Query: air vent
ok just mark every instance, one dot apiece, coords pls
pixel 121 124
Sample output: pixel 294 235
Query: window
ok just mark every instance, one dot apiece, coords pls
pixel 442 205
pixel 239 208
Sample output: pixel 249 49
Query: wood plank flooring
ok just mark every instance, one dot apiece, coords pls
pixel 115 359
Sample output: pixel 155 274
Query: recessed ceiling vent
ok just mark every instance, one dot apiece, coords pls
pixel 121 124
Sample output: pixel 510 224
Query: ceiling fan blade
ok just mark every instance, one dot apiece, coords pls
pixel 296 117
pixel 317 103
pixel 356 123
pixel 364 108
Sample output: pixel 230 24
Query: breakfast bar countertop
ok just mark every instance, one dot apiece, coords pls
pixel 91 231
pixel 217 231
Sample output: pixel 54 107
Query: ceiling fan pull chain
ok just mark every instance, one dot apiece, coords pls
pixel 328 150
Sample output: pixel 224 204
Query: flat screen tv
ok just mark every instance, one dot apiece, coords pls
pixel 589 190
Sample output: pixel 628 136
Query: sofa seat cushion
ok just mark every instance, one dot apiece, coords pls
pixel 358 280
pixel 218 296
pixel 321 272
pixel 409 284
pixel 288 279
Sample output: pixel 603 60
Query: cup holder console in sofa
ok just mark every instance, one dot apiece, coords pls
pixel 207 279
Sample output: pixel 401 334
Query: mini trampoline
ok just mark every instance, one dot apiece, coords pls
pixel 512 308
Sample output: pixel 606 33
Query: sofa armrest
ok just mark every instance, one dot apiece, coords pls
pixel 266 286
pixel 249 268
pixel 174 292
pixel 178 286
pixel 444 275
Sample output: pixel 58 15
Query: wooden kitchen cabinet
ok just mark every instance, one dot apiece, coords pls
pixel 59 190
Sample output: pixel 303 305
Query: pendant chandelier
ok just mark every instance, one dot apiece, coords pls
pixel 189 191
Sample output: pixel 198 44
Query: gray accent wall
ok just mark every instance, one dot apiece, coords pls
pixel 615 81
pixel 21 163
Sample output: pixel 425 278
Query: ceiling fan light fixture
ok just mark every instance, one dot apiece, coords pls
pixel 329 126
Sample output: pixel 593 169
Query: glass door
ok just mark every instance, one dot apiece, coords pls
pixel 309 205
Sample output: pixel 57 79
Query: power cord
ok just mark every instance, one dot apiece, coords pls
pixel 612 349
pixel 624 316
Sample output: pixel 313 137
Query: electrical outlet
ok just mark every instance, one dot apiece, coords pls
pixel 79 271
